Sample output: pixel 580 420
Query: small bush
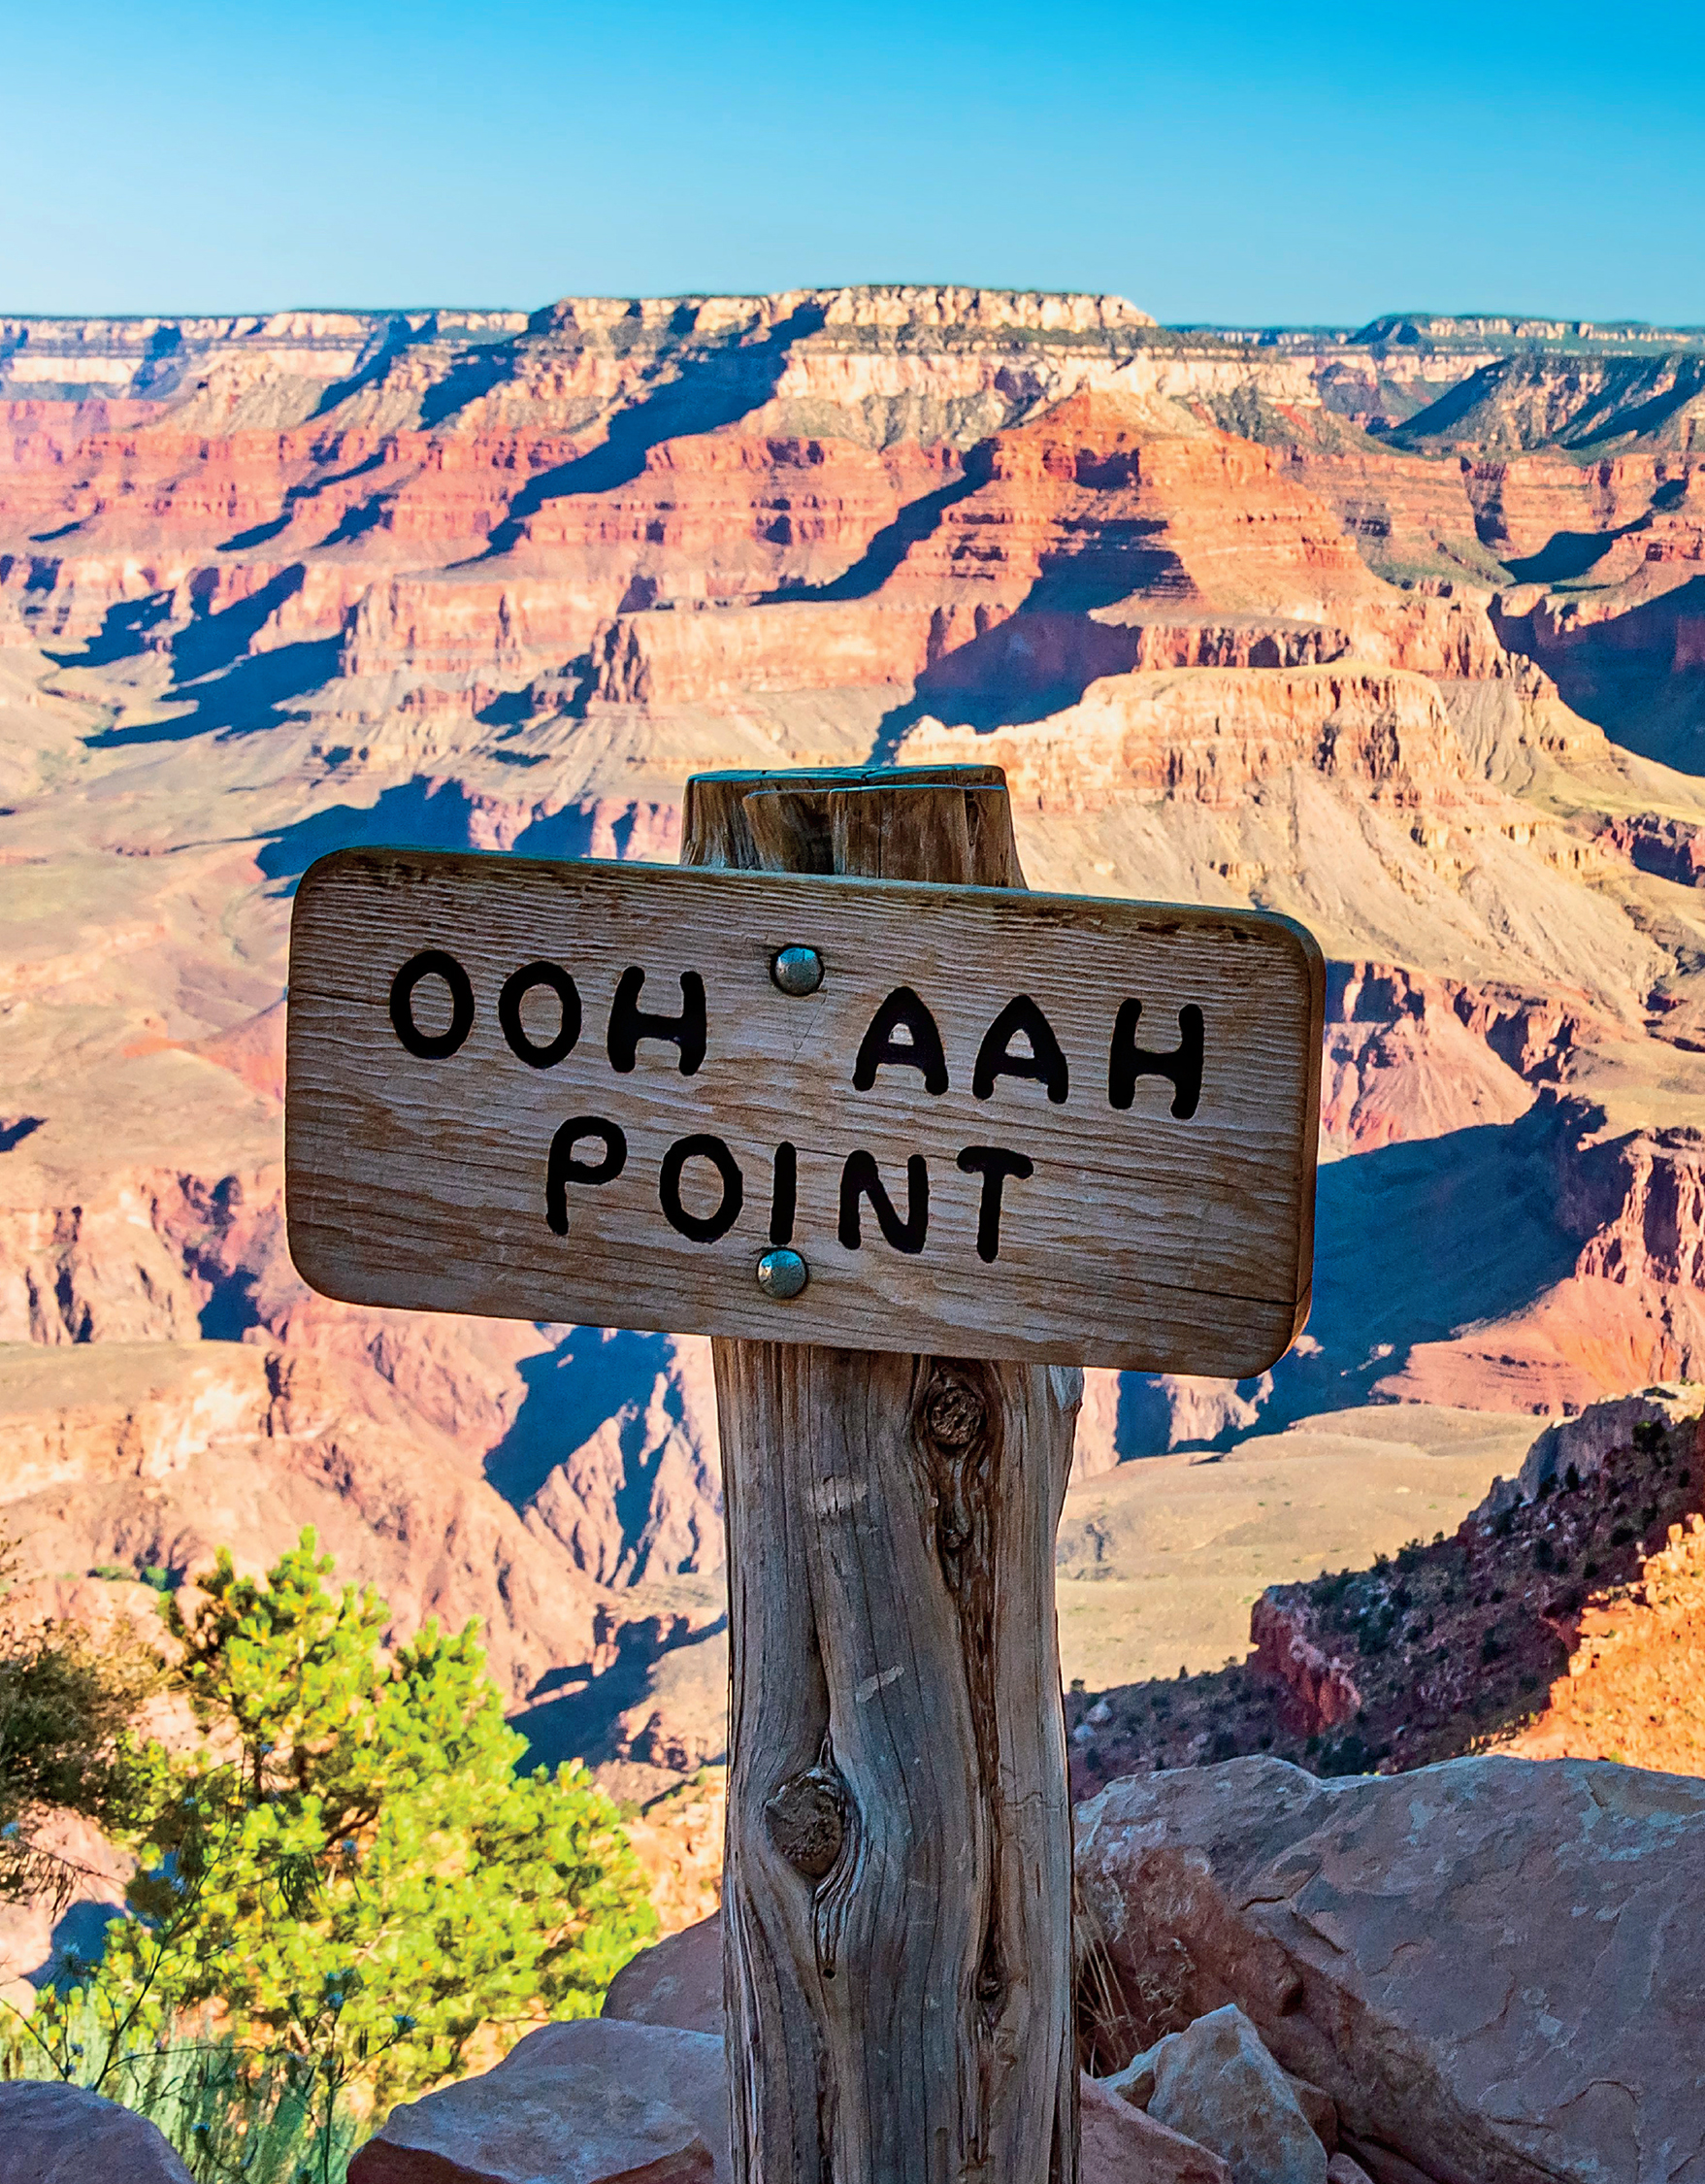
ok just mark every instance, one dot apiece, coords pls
pixel 345 1877
pixel 1348 1754
pixel 65 1707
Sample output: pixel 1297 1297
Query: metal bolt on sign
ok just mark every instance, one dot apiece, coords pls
pixel 782 1274
pixel 796 970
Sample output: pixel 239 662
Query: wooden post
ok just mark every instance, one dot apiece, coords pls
pixel 898 1888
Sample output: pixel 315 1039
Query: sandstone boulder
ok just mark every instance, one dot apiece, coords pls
pixel 678 1981
pixel 1120 2145
pixel 52 2133
pixel 589 2101
pixel 610 2101
pixel 1493 1967
pixel 1215 2083
pixel 1321 2109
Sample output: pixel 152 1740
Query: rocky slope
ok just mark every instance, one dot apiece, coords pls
pixel 1245 622
pixel 1562 1618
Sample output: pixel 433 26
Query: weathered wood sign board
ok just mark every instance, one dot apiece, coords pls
pixel 1003 1125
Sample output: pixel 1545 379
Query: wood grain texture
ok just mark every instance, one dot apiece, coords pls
pixel 1136 1237
pixel 896 1895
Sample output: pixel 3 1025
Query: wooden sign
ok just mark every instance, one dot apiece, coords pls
pixel 977 1121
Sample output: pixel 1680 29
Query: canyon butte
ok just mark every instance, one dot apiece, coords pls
pixel 1399 631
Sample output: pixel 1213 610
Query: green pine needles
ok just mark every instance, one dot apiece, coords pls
pixel 346 1878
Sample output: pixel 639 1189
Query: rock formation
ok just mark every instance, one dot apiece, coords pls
pixel 1246 622
pixel 1213 2081
pixel 1478 1974
pixel 589 2101
pixel 1120 2145
pixel 1564 1618
pixel 52 2133
pixel 1481 1963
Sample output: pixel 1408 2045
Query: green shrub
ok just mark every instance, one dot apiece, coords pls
pixel 346 1875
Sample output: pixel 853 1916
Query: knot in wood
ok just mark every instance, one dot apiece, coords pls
pixel 954 1413
pixel 807 1821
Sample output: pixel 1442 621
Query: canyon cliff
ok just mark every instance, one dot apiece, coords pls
pixel 1396 632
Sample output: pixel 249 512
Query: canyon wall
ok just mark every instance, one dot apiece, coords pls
pixel 1394 633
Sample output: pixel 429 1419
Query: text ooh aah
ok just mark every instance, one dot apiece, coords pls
pixel 903 1033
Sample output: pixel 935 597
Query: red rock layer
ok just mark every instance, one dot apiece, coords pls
pixel 725 516
pixel 1092 505
pixel 1524 502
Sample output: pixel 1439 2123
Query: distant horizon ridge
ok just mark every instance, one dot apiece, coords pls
pixel 1510 324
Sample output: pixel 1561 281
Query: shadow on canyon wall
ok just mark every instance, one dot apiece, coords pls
pixel 414 815
pixel 1023 669
pixel 1413 1242
pixel 710 391
pixel 246 697
pixel 224 688
pixel 431 815
pixel 917 521
pixel 1043 658
pixel 1640 676
pixel 594 1375
pixel 296 498
pixel 1567 555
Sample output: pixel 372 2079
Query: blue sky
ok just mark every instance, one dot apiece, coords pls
pixel 1246 163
